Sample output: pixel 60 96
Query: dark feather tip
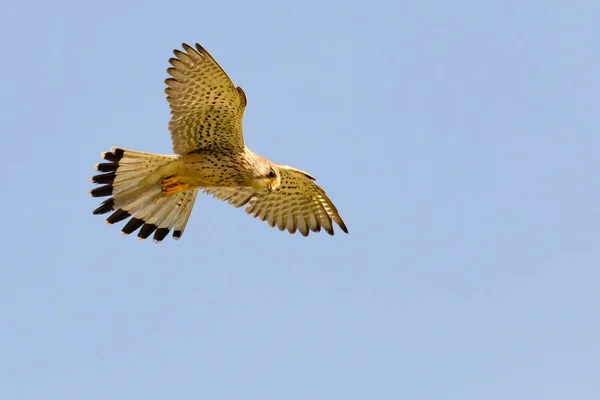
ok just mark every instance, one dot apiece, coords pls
pixel 343 227
pixel 107 167
pixel 160 234
pixel 146 231
pixel 104 178
pixel 106 206
pixel 115 155
pixel 102 191
pixel 118 216
pixel 132 225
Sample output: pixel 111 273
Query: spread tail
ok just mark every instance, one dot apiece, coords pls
pixel 127 176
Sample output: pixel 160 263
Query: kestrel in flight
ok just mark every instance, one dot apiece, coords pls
pixel 158 191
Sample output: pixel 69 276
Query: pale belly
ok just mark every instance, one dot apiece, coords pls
pixel 207 170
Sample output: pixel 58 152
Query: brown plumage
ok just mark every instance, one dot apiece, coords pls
pixel 158 191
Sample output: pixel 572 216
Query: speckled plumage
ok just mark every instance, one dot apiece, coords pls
pixel 158 191
pixel 206 107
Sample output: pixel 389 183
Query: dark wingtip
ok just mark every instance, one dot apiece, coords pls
pixel 177 235
pixel 343 227
pixel 201 49
pixel 178 53
pixel 304 232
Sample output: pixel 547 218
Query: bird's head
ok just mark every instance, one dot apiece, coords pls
pixel 268 178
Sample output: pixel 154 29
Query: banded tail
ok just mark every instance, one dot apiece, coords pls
pixel 127 177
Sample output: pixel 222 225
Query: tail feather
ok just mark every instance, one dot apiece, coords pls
pixel 165 218
pixel 150 210
pixel 136 198
pixel 185 210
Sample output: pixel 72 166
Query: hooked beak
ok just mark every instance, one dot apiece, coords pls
pixel 261 184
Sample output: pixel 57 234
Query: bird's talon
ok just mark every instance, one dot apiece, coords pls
pixel 171 185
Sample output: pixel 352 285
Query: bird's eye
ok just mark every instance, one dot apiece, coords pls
pixel 272 174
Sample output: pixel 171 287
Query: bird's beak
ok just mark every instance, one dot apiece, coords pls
pixel 261 184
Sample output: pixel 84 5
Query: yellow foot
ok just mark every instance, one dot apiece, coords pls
pixel 171 185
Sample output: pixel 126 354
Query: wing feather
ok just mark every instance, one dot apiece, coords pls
pixel 206 107
pixel 302 227
pixel 299 205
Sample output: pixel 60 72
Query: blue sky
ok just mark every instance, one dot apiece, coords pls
pixel 459 141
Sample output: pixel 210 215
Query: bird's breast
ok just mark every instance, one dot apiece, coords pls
pixel 212 170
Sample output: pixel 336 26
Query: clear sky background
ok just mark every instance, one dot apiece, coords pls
pixel 459 140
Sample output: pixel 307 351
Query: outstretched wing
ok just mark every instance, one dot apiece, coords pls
pixel 298 205
pixel 206 107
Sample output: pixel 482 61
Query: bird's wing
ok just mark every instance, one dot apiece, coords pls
pixel 206 107
pixel 298 205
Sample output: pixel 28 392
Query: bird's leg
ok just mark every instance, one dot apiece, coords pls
pixel 171 185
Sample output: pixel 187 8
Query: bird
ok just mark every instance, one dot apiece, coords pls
pixel 157 192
